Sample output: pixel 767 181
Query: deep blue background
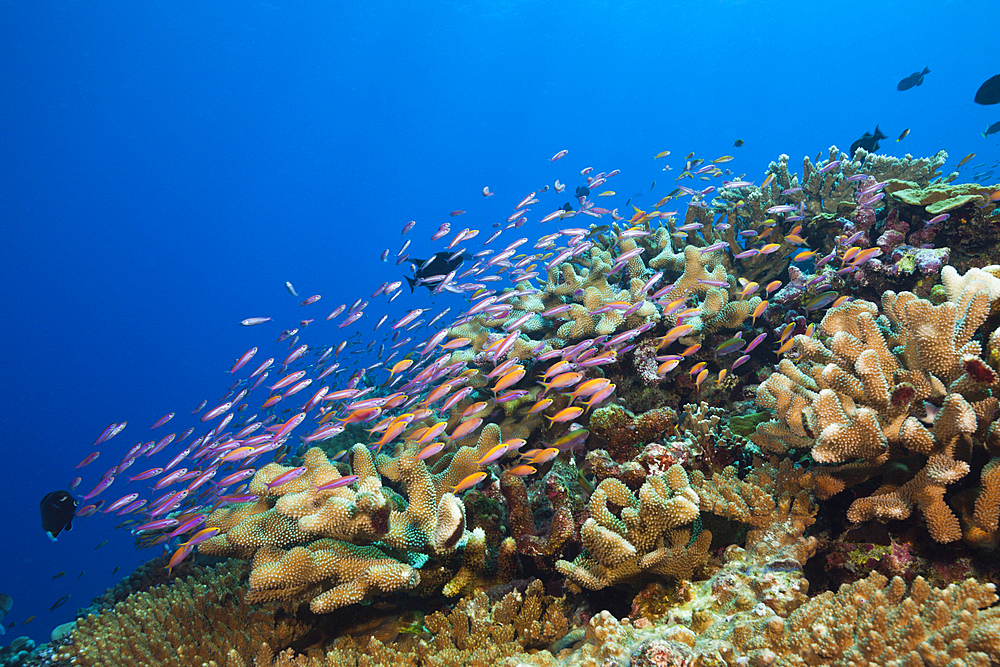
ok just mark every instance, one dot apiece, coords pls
pixel 166 166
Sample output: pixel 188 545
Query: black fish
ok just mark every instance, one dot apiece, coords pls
pixel 438 265
pixel 868 141
pixel 582 191
pixel 914 79
pixel 992 129
pixel 738 143
pixel 989 92
pixel 566 207
pixel 58 509
pixel 58 603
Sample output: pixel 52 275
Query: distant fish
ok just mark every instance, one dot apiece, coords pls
pixel 291 290
pixel 58 509
pixel 738 143
pixel 966 159
pixel 58 603
pixel 868 141
pixel 914 79
pixel 992 129
pixel 989 92
pixel 903 135
pixel 582 191
pixel 6 602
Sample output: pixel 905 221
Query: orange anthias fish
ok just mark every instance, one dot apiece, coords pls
pixel 469 482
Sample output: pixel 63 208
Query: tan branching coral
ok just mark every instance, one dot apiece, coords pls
pixel 850 396
pixel 338 546
pixel 648 536
pixel 197 620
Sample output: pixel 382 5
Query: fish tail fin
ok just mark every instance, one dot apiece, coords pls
pixel 411 281
pixel 926 71
pixel 984 134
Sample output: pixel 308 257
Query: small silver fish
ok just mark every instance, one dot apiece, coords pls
pixel 288 286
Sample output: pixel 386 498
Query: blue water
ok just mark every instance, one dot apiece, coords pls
pixel 166 167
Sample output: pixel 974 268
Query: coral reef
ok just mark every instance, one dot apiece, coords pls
pixel 850 396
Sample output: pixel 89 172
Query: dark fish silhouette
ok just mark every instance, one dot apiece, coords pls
pixel 567 207
pixel 738 143
pixel 914 79
pixel 989 92
pixel 58 509
pixel 992 129
pixel 6 602
pixel 582 191
pixel 868 141
pixel 438 265
pixel 58 603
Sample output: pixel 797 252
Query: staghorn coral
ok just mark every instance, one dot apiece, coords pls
pixel 647 537
pixel 850 396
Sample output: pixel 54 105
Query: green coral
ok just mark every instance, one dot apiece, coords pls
pixel 744 425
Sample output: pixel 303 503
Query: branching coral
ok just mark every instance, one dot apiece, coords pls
pixel 365 535
pixel 649 536
pixel 198 620
pixel 851 394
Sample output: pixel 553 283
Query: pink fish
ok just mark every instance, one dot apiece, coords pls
pixel 283 382
pixel 153 472
pixel 409 317
pixel 251 321
pixel 289 426
pixel 170 479
pixel 132 507
pixel 561 154
pixel 160 524
pixel 296 388
pixel 286 477
pixel 202 478
pixel 124 465
pixel 296 354
pixel 177 459
pixel 218 410
pixel 429 451
pixel 105 434
pixel 351 319
pixel 100 488
pixel 86 510
pixel 120 503
pixel 87 461
pixel 235 477
pixel 337 483
pixel 165 418
pixel 188 525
